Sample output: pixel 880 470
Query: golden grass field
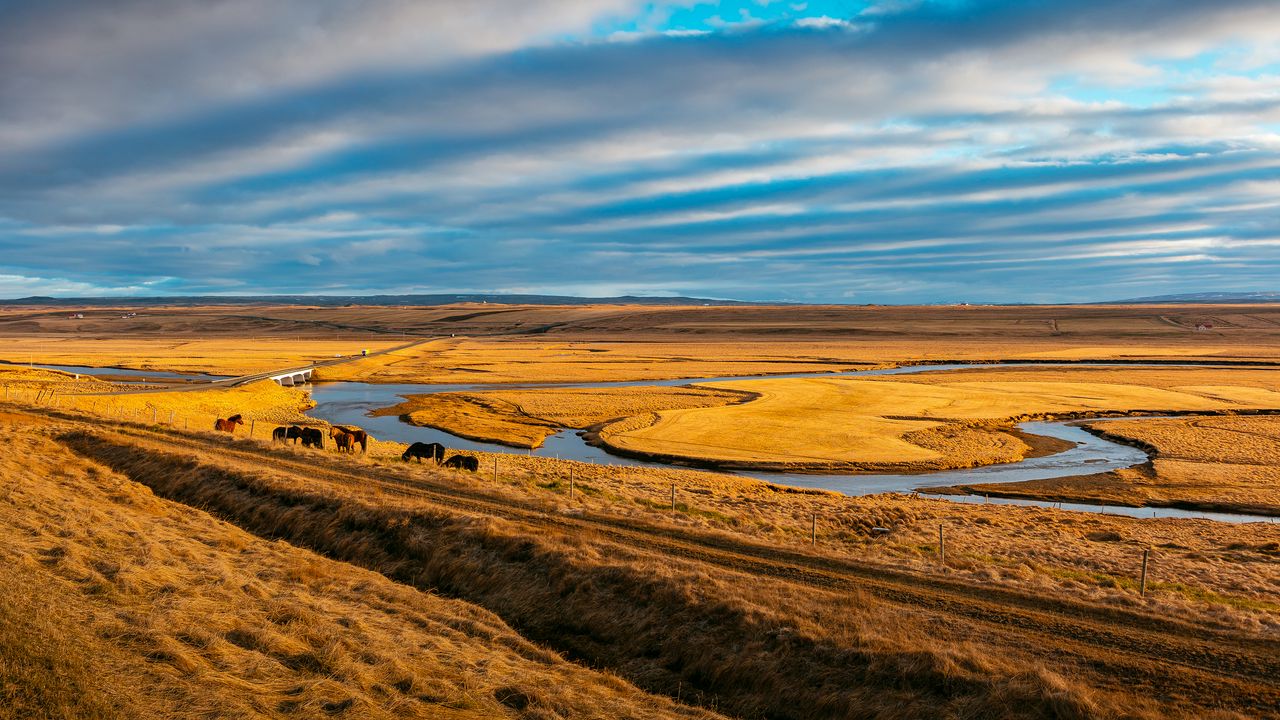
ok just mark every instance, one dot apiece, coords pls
pixel 264 401
pixel 362 586
pixel 1044 549
pixel 325 635
pixel 524 418
pixel 500 343
pixel 218 356
pixel 942 420
pixel 1229 463
pixel 115 603
pixel 478 360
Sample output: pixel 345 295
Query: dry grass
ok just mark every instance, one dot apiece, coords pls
pixel 1216 573
pixel 945 420
pixel 760 647
pixel 264 401
pixel 115 603
pixel 217 356
pixel 476 360
pixel 21 382
pixel 1221 574
pixel 524 418
pixel 512 343
pixel 1229 463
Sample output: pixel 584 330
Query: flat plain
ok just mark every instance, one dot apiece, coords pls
pixel 192 570
pixel 1228 463
pixel 922 422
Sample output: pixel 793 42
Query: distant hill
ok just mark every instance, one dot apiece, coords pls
pixel 389 300
pixel 1223 298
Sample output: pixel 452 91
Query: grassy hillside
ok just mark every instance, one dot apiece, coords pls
pixel 118 603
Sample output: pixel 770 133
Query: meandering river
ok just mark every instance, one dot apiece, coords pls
pixel 350 403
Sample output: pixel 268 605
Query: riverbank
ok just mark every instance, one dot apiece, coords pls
pixel 1227 463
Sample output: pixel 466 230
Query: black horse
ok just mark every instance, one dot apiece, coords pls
pixel 463 462
pixel 312 437
pixel 278 435
pixel 432 451
pixel 294 433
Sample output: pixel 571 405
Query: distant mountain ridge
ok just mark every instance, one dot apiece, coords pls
pixel 1205 298
pixel 379 300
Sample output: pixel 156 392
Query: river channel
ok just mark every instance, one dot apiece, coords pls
pixel 350 403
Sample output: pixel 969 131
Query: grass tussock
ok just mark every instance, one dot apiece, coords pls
pixel 752 647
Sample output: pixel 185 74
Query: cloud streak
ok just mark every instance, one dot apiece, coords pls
pixel 984 151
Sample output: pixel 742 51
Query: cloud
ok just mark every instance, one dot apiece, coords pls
pixel 412 145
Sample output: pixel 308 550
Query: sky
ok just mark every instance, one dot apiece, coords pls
pixel 834 151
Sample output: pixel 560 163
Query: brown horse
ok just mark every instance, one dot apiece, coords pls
pixel 342 439
pixel 229 424
pixel 357 435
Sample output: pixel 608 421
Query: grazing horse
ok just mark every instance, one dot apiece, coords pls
pixel 463 462
pixel 342 439
pixel 278 435
pixel 229 424
pixel 312 437
pixel 294 433
pixel 359 436
pixel 434 451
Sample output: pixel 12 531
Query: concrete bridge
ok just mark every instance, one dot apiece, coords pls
pixel 289 378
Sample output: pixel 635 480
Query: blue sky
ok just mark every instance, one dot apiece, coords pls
pixel 825 151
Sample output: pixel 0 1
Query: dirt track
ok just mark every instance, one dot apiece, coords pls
pixel 1180 664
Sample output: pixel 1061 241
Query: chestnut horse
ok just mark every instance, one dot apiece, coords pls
pixel 229 424
pixel 358 436
pixel 342 439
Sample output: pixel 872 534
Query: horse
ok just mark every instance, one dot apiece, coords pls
pixel 342 439
pixel 229 424
pixel 311 437
pixel 359 436
pixel 294 433
pixel 463 462
pixel 278 435
pixel 434 451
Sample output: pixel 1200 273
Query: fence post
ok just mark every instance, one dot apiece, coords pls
pixel 252 424
pixel 942 546
pixel 673 498
pixel 1142 589
pixel 153 415
pixel 495 468
pixel 571 483
pixel 813 531
pixel 170 418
